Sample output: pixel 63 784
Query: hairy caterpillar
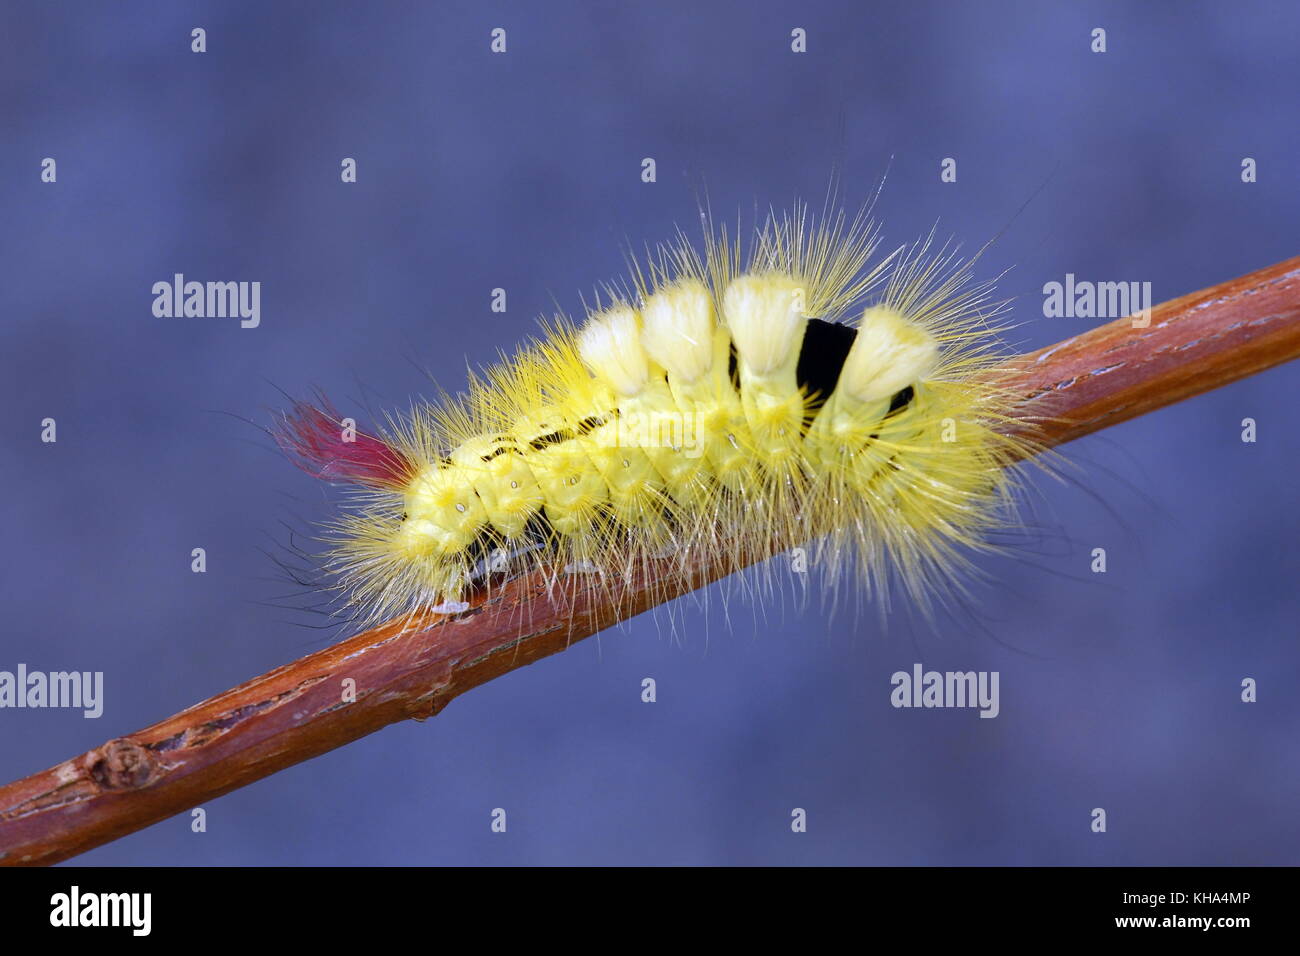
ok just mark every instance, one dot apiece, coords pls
pixel 716 403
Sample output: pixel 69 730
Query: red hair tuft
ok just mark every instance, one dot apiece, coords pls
pixel 315 439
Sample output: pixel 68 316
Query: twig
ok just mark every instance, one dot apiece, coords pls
pixel 1103 377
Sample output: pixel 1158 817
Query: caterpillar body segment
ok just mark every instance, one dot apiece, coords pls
pixel 711 410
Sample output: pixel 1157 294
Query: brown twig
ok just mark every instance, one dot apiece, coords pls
pixel 1108 375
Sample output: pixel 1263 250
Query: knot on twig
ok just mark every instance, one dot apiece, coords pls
pixel 122 764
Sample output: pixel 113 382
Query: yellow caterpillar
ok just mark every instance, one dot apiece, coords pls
pixel 716 403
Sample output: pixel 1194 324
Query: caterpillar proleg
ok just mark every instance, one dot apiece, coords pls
pixel 800 390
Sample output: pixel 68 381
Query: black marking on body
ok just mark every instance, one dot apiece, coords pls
pixel 482 561
pixel 733 368
pixel 590 423
pixel 902 398
pixel 821 359
pixel 553 438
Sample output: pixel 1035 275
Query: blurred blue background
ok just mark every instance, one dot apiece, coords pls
pixel 522 171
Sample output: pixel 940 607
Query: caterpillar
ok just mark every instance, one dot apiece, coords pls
pixel 800 390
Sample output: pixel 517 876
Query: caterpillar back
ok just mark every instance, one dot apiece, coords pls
pixel 716 405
